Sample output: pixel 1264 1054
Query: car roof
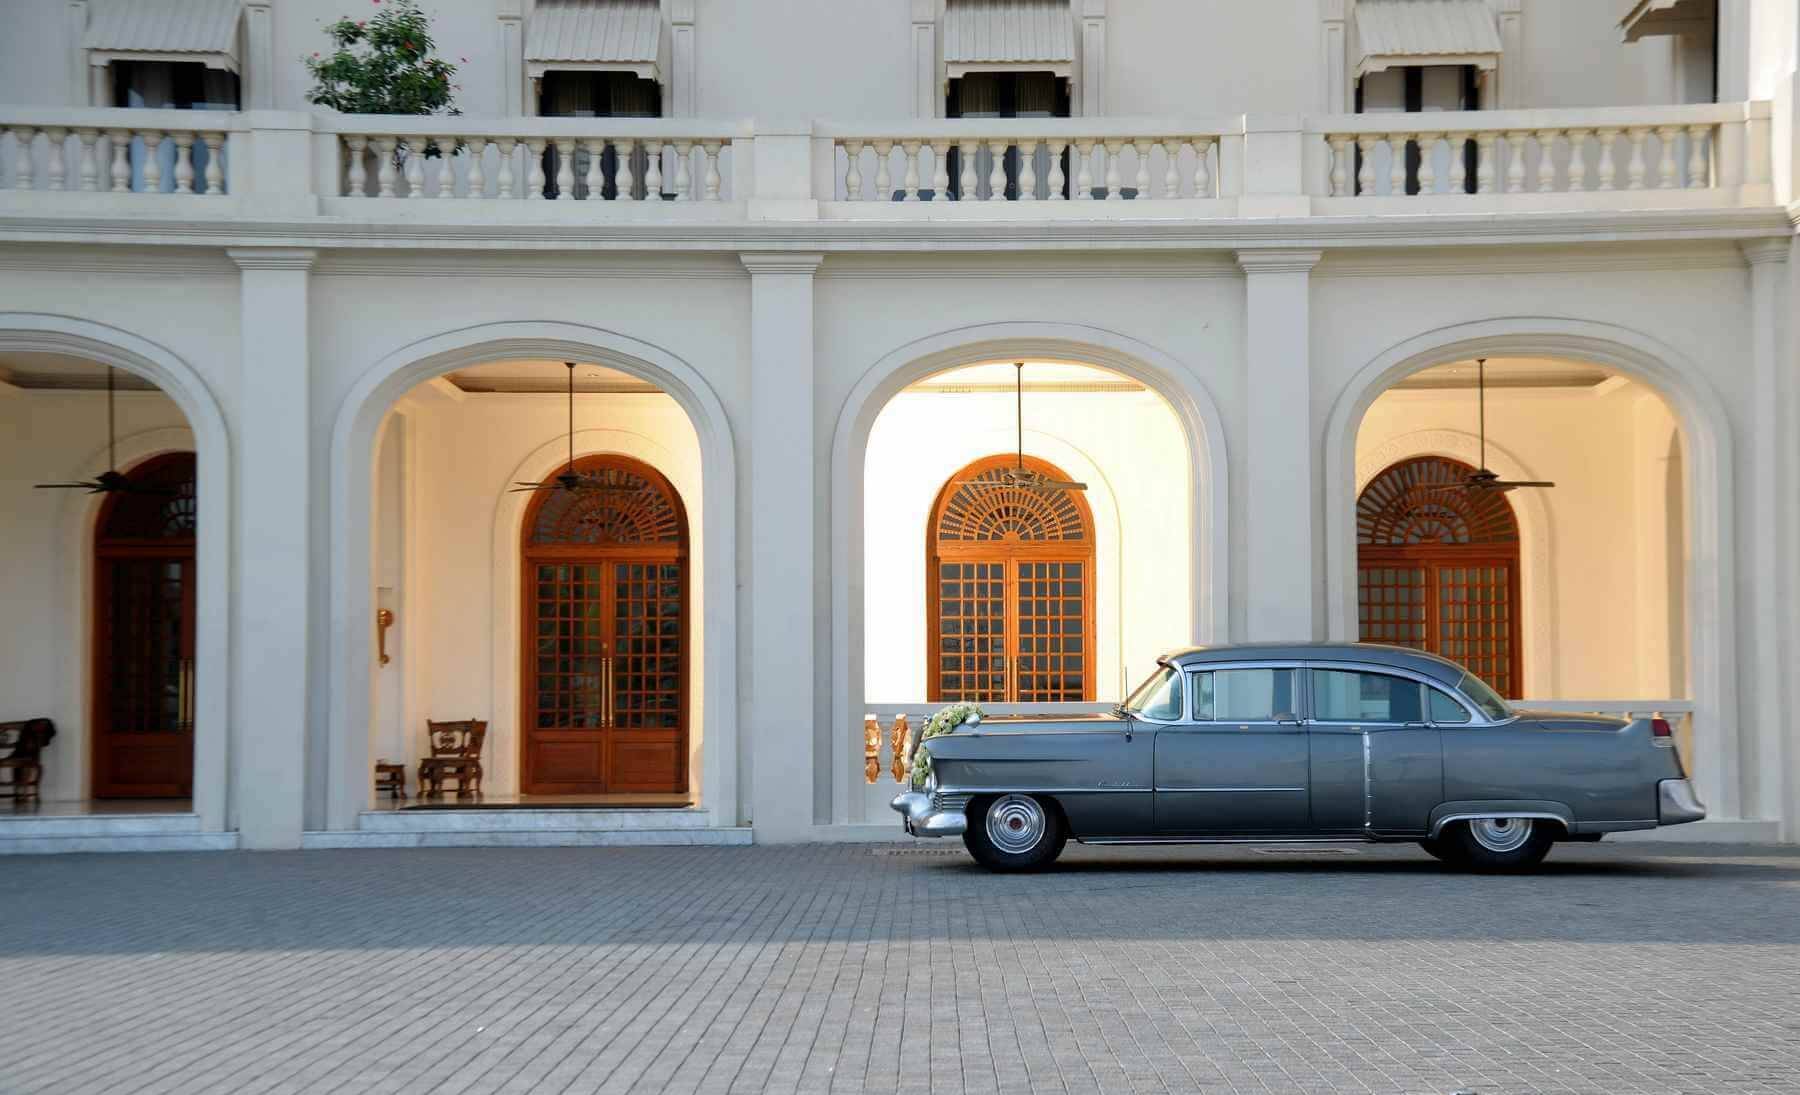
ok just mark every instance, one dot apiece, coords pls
pixel 1399 657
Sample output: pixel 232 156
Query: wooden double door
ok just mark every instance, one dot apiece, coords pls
pixel 606 635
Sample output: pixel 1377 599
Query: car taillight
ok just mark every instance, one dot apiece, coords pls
pixel 1661 733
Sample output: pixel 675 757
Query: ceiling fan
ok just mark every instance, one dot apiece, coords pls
pixel 568 480
pixel 112 480
pixel 1482 479
pixel 1019 476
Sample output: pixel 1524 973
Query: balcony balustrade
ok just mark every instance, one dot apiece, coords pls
pixel 104 163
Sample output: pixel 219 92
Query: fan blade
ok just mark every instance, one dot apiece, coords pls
pixel 69 486
pixel 1061 484
pixel 531 489
pixel 1509 484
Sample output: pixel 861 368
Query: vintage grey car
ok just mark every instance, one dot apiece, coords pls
pixel 1301 742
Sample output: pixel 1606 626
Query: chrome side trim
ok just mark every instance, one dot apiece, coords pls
pixel 1490 815
pixel 1219 790
pixel 1045 790
pixel 1230 840
pixel 1368 785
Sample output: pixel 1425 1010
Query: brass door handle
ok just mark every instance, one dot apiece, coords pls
pixel 384 619
pixel 612 695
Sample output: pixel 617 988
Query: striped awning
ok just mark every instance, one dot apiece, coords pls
pixel 164 30
pixel 1650 18
pixel 1425 32
pixel 620 35
pixel 985 35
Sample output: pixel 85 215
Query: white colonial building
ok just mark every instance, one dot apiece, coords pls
pixel 1249 254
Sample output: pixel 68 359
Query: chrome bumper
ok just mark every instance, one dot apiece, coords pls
pixel 920 819
pixel 1676 803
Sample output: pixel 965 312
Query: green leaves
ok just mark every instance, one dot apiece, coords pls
pixel 383 65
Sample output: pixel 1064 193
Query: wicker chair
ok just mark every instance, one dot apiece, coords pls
pixel 455 754
pixel 25 742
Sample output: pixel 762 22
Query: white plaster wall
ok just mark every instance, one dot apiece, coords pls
pixel 1599 628
pixel 46 554
pixel 1127 447
pixel 456 645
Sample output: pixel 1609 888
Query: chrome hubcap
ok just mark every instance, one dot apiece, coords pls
pixel 1501 834
pixel 1015 823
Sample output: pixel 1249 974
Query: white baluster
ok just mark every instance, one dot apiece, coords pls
pixel 1084 178
pixel 415 167
pixel 883 181
pixel 653 152
pixel 909 183
pixel 940 171
pixel 23 137
pixel 477 172
pixel 997 171
pixel 966 182
pixel 1634 171
pixel 1459 163
pixel 57 151
pixel 1515 162
pixel 1698 178
pixel 446 147
pixel 184 162
pixel 593 180
pixel 1028 170
pixel 684 180
pixel 356 176
pixel 534 179
pixel 624 179
pixel 709 151
pixel 152 160
pixel 565 170
pixel 1172 168
pixel 89 162
pixel 1666 177
pixel 1427 167
pixel 503 178
pixel 384 166
pixel 1579 167
pixel 1365 173
pixel 1142 180
pixel 1203 183
pixel 1340 164
pixel 1058 180
pixel 1397 165
pixel 1485 152
pixel 1546 167
pixel 1607 164
pixel 1114 189
pixel 120 139
pixel 853 170
pixel 215 162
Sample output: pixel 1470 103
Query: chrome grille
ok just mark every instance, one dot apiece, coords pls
pixel 949 800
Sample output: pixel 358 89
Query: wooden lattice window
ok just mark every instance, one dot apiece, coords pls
pixel 605 634
pixel 1438 568
pixel 1010 590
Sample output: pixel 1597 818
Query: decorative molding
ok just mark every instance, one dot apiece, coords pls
pixel 1278 261
pixel 1765 252
pixel 169 261
pixel 1588 258
pixel 273 258
pixel 780 262
pixel 485 264
pixel 1151 265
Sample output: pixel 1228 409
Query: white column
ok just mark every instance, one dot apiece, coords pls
pixel 259 56
pixel 1280 455
pixel 928 97
pixel 1092 101
pixel 512 60
pixel 270 696
pixel 1335 58
pixel 1510 91
pixel 782 692
pixel 80 81
pixel 1768 577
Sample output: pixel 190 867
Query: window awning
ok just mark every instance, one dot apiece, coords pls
pixel 1650 18
pixel 1425 32
pixel 596 35
pixel 990 35
pixel 164 30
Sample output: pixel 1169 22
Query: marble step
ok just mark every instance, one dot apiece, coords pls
pixel 531 820
pixel 15 826
pixel 542 837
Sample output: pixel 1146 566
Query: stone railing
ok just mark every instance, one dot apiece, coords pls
pixel 116 151
pixel 1024 160
pixel 1472 153
pixel 567 159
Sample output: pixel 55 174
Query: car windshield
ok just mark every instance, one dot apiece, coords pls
pixel 1485 699
pixel 1160 696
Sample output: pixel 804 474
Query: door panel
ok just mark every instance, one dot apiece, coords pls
pixel 144 677
pixel 1377 764
pixel 1013 632
pixel 1242 767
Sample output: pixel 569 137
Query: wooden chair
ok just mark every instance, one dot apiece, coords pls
pixel 390 778
pixel 455 754
pixel 25 742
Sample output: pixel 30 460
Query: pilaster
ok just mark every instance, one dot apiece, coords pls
pixel 1334 60
pixel 1509 75
pixel 684 47
pixel 512 60
pixel 1281 521
pixel 788 740
pixel 928 97
pixel 80 80
pixel 259 56
pixel 1092 101
pixel 271 590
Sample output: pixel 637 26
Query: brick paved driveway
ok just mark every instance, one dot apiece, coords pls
pixel 850 968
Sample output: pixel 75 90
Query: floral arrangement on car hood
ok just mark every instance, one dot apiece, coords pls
pixel 946 720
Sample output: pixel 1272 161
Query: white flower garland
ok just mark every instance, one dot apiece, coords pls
pixel 945 721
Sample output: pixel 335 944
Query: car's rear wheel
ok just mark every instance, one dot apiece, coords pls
pixel 1500 843
pixel 1014 833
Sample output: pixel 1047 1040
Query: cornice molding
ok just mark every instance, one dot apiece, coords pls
pixel 780 262
pixel 1276 261
pixel 1764 252
pixel 273 258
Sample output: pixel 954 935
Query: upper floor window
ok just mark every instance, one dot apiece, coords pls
pixel 597 59
pixel 1693 29
pixel 165 54
pixel 1423 54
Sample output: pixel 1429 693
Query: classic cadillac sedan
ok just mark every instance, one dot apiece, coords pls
pixel 1307 742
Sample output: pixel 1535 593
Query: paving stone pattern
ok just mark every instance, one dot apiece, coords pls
pixel 851 968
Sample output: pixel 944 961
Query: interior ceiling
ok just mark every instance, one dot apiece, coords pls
pixel 63 372
pixel 1510 372
pixel 1040 376
pixel 546 376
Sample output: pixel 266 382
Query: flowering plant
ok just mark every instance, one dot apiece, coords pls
pixel 383 65
pixel 945 721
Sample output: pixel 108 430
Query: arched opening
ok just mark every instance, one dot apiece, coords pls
pixel 141 730
pixel 605 634
pixel 1438 568
pixel 1010 588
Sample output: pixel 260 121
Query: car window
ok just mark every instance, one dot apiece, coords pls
pixel 1161 697
pixel 1485 699
pixel 1244 695
pixel 1348 695
pixel 1444 709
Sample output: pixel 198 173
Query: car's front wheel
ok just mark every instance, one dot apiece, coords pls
pixel 1499 843
pixel 1014 833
